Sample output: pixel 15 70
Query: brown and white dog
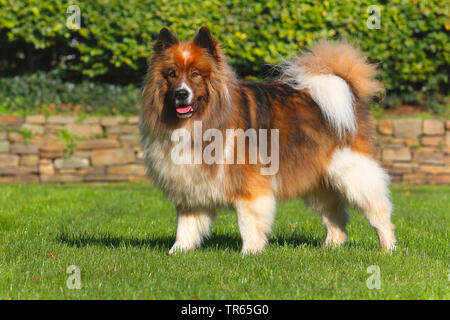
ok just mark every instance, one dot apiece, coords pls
pixel 325 139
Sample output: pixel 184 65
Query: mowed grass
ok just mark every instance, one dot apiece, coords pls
pixel 119 236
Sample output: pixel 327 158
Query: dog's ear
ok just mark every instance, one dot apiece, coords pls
pixel 204 40
pixel 165 40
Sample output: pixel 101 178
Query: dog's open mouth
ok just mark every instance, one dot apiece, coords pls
pixel 185 111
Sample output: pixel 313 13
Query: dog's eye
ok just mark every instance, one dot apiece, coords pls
pixel 172 74
pixel 195 74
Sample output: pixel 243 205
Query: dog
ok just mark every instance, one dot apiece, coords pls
pixel 319 109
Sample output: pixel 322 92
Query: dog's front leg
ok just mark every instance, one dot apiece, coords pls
pixel 193 227
pixel 255 219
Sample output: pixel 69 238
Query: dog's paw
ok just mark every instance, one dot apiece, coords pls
pixel 251 250
pixel 391 248
pixel 178 247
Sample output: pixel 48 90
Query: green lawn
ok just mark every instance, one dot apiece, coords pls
pixel 119 235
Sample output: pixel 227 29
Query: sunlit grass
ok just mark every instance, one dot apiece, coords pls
pixel 119 235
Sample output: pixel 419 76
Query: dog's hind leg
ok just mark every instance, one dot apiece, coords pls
pixel 364 184
pixel 331 206
pixel 255 218
pixel 192 228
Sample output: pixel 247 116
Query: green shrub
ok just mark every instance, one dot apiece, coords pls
pixel 69 142
pixel 44 92
pixel 115 36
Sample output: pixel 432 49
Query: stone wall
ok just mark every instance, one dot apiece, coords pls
pixel 71 149
pixel 415 151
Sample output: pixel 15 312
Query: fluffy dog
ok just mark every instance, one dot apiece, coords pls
pixel 325 139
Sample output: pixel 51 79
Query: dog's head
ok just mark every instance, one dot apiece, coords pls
pixel 185 79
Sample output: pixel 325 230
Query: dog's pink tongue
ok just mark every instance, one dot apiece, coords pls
pixel 185 109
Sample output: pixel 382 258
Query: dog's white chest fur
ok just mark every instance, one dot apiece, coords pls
pixel 186 185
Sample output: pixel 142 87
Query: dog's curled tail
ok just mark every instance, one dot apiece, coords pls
pixel 335 73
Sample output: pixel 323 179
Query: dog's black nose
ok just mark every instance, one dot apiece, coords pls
pixel 181 94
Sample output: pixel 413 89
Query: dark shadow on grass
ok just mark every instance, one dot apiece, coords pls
pixel 164 243
pixel 107 240
pixel 159 243
pixel 296 240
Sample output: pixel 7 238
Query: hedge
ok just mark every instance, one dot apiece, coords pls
pixel 47 93
pixel 115 37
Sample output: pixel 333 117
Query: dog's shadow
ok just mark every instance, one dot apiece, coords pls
pixel 164 243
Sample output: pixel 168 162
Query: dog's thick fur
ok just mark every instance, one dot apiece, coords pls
pixel 326 140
